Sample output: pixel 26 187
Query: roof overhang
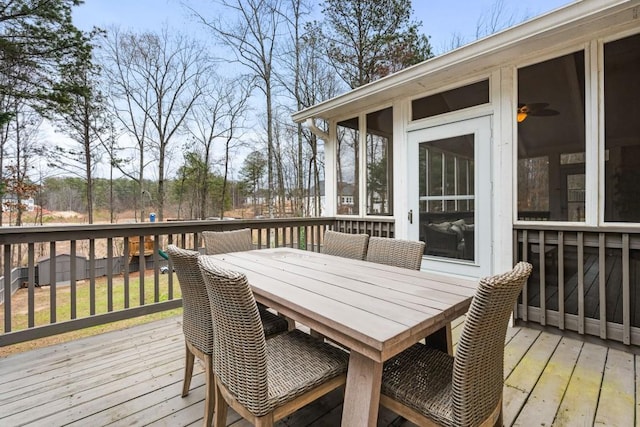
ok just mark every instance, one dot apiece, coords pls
pixel 581 20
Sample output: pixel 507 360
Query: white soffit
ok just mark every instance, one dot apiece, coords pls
pixel 581 20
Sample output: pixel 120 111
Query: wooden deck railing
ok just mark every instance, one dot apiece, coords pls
pixel 63 263
pixel 585 279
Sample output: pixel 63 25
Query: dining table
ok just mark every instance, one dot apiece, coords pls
pixel 374 311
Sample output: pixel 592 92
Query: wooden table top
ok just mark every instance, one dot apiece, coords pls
pixel 374 309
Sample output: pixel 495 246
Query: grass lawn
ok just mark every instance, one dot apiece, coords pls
pixel 42 298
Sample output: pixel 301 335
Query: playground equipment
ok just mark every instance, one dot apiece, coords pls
pixel 134 247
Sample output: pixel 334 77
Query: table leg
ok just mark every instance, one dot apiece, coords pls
pixel 441 339
pixel 362 392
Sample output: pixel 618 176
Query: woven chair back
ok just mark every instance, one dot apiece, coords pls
pixel 345 245
pixel 479 362
pixel 220 242
pixel 196 314
pixel 396 252
pixel 239 346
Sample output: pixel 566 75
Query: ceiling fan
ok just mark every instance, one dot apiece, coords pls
pixel 535 109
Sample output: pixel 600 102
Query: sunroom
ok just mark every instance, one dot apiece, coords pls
pixel 524 145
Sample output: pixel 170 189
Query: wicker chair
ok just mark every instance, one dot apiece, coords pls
pixel 262 380
pixel 220 242
pixel 396 252
pixel 197 325
pixel 345 245
pixel 429 387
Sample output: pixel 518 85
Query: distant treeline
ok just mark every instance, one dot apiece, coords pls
pixel 122 194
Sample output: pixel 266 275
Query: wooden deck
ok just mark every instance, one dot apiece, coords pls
pixel 134 377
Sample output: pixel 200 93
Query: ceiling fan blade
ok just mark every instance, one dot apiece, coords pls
pixel 544 112
pixel 536 105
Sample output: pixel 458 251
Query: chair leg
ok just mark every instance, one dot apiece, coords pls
pixel 188 370
pixel 220 416
pixel 210 391
pixel 265 421
pixel 499 421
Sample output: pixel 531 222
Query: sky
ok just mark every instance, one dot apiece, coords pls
pixel 441 19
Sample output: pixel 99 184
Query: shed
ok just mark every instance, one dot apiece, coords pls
pixel 63 269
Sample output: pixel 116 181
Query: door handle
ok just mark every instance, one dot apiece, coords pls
pixel 410 216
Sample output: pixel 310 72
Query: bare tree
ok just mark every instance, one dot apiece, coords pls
pixel 251 31
pixel 308 79
pixel 318 82
pixel 155 81
pixel 496 18
pixel 291 58
pixel 237 99
pixel 219 116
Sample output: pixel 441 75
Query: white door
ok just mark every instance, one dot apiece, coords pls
pixel 450 202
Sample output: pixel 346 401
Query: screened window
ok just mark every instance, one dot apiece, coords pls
pixel 450 100
pixel 622 129
pixel 348 172
pixel 379 160
pixel 551 139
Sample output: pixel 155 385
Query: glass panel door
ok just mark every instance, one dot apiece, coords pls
pixel 452 195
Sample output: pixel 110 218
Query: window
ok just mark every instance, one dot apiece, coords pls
pixel 379 161
pixel 346 200
pixel 622 129
pixel 551 139
pixel 375 151
pixel 450 100
pixel 348 166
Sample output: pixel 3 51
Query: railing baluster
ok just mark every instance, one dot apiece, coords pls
pixel 92 277
pixel 542 258
pixel 142 266
pixel 293 231
pixel 125 273
pixel 626 298
pixel 156 269
pixel 31 284
pixel 7 288
pixel 602 283
pixel 581 282
pixel 73 279
pixel 525 288
pixel 52 284
pixel 170 272
pixel 561 309
pixel 514 259
pixel 109 274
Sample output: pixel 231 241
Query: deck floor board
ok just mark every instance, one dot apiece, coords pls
pixel 134 377
pixel 580 400
pixel 544 400
pixel 617 393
